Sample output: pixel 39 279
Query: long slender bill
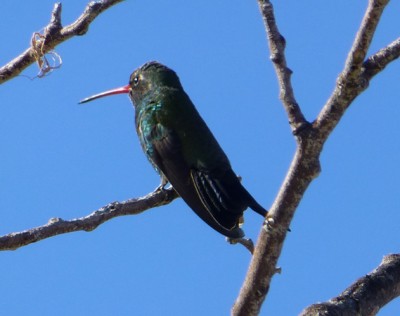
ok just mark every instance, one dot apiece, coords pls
pixel 124 89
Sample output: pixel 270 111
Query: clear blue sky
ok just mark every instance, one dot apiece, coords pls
pixel 60 159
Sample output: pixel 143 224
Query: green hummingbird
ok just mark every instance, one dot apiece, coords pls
pixel 182 149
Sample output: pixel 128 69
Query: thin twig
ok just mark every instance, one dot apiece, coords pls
pixel 245 242
pixel 350 83
pixel 277 45
pixel 378 61
pixel 57 226
pixel 54 34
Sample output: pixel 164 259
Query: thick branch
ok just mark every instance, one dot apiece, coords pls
pixel 304 168
pixel 367 295
pixel 57 226
pixel 54 34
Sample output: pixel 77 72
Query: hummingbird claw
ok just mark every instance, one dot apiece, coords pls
pixel 269 224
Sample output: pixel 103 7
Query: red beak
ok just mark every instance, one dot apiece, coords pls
pixel 125 89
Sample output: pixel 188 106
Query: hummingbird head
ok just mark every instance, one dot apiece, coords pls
pixel 144 80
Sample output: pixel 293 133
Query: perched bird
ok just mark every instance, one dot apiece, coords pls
pixel 183 150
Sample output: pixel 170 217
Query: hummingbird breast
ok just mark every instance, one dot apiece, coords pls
pixel 146 126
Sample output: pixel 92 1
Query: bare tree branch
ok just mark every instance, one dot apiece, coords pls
pixel 367 295
pixel 277 45
pixel 310 140
pixel 377 62
pixel 54 34
pixel 57 226
pixel 350 83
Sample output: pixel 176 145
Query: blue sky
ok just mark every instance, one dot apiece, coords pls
pixel 61 159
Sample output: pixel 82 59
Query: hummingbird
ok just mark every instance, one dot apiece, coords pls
pixel 183 150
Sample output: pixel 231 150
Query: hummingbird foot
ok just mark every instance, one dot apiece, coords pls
pixel 269 224
pixel 246 242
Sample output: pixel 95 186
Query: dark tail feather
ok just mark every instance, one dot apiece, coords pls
pixel 257 208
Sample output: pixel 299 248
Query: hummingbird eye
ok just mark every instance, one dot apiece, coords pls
pixel 136 80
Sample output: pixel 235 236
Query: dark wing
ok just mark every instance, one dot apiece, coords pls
pixel 222 192
pixel 204 192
